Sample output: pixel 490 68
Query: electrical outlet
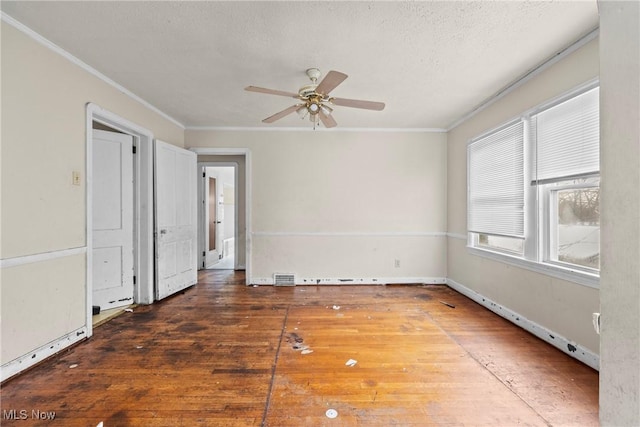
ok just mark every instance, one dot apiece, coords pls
pixel 397 263
pixel 75 178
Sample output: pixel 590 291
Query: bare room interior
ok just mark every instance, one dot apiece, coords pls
pixel 320 213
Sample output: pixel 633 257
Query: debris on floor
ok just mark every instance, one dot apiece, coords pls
pixel 351 362
pixel 128 310
pixel 447 304
pixel 72 366
pixel 297 343
pixel 336 307
pixel 331 413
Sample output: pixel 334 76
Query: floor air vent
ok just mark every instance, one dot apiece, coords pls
pixel 284 280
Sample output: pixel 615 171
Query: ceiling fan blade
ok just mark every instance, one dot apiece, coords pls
pixel 271 91
pixel 330 81
pixel 356 103
pixel 327 120
pixel 281 114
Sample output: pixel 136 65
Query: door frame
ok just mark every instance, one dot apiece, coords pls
pixel 209 151
pixel 202 218
pixel 142 205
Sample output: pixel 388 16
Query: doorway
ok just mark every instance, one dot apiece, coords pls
pixel 142 205
pixel 218 216
pixel 241 159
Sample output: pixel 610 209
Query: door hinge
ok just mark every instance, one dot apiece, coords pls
pixel 134 280
pixel 204 253
pixel 203 265
pixel 134 149
pixel 204 174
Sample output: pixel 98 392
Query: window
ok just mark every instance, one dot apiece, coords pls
pixel 496 188
pixel 566 168
pixel 496 183
pixel 534 187
pixel 574 224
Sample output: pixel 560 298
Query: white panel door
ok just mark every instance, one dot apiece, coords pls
pixel 176 219
pixel 213 215
pixel 112 193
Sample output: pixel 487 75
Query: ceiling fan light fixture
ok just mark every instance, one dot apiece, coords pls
pixel 302 111
pixel 313 108
pixel 326 109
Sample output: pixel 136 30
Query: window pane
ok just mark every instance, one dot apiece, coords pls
pixel 578 226
pixel 507 244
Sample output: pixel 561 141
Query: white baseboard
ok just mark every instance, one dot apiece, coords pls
pixel 18 365
pixel 571 348
pixel 356 281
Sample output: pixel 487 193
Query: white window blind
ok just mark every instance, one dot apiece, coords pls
pixel 567 139
pixel 496 183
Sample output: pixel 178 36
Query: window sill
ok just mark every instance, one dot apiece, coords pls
pixel 576 276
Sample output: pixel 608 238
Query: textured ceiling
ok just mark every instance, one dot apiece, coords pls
pixel 430 62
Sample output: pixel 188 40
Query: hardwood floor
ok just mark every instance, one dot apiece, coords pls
pixel 223 354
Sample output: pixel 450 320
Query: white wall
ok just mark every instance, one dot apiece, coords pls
pixel 620 158
pixel 558 305
pixel 330 205
pixel 44 97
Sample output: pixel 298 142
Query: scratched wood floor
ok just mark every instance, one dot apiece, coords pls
pixel 223 354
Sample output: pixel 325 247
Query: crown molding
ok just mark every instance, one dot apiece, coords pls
pixel 60 51
pixel 556 57
pixel 310 129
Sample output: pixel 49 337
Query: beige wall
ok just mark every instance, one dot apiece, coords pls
pixel 41 302
pixel 620 159
pixel 44 97
pixel 335 205
pixel 560 306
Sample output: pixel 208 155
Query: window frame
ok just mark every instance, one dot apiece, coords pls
pixel 549 224
pixel 536 245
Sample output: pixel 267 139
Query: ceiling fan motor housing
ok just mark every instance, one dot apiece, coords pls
pixel 307 91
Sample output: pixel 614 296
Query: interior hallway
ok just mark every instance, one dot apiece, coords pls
pixel 221 353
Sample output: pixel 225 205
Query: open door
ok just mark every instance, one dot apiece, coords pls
pixel 214 215
pixel 175 187
pixel 112 186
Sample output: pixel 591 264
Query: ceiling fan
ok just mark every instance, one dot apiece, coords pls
pixel 315 98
